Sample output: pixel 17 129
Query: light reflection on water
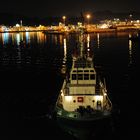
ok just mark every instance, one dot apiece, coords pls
pixel 5 38
pixel 27 37
pixel 16 38
pixel 130 52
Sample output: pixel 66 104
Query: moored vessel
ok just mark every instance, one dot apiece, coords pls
pixel 83 96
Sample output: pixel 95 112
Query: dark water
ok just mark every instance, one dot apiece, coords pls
pixel 31 77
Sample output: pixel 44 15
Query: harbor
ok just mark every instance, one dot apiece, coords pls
pixel 69 69
pixel 115 25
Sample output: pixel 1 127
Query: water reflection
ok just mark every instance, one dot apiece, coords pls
pixel 63 69
pixel 65 49
pixel 18 39
pixel 98 40
pixel 88 41
pixel 28 37
pixel 61 39
pixel 5 38
pixel 130 51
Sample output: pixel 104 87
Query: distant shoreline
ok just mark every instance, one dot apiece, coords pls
pixel 74 32
pixel 22 31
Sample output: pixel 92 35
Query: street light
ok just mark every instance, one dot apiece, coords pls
pixel 88 17
pixel 64 19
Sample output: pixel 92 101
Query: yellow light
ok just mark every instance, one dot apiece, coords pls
pixel 88 16
pixel 103 26
pixel 65 48
pixel 64 17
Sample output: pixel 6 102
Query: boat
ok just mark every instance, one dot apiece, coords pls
pixel 83 96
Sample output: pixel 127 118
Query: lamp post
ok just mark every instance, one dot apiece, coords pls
pixel 64 19
pixel 88 17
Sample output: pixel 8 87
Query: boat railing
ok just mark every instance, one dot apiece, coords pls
pixel 109 103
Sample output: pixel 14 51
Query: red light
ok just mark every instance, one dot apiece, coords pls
pixel 80 99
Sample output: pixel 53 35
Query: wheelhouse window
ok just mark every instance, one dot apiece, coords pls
pixel 73 76
pixel 80 76
pixel 86 76
pixel 92 76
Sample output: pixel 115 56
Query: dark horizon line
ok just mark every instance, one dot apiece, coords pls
pixel 12 19
pixel 70 15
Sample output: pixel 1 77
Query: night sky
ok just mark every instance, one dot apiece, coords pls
pixel 43 8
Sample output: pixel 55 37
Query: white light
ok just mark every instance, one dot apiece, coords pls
pixel 98 97
pixel 68 98
pixel 17 25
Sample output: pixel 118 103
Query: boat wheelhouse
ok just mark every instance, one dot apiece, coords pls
pixel 83 96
